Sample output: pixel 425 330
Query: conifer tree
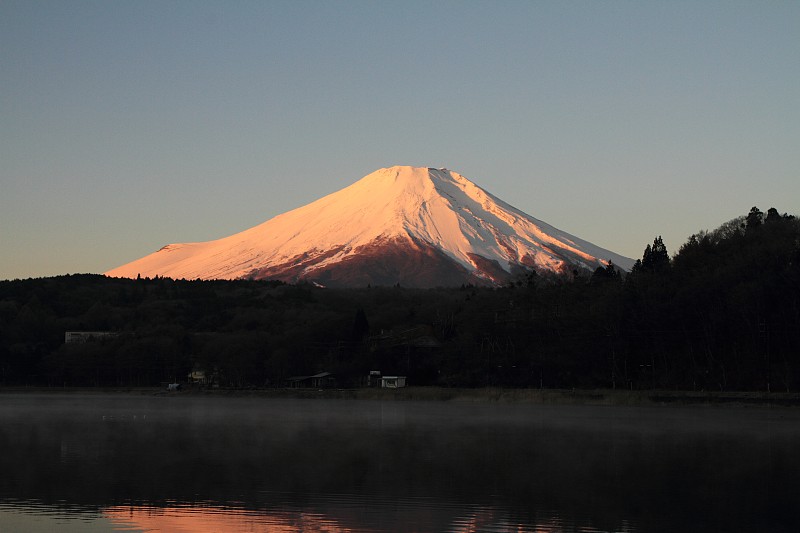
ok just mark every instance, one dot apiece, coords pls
pixel 754 218
pixel 654 259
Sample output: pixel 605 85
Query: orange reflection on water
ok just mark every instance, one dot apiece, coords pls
pixel 216 519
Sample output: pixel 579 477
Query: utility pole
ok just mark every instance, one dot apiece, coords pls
pixel 764 335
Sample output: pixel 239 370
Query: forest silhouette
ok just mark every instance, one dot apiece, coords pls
pixel 721 314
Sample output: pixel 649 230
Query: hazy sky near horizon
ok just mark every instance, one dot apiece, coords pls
pixel 125 126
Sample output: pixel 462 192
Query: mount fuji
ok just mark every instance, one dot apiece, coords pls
pixel 419 227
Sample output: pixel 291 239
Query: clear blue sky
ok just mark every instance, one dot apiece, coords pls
pixel 125 126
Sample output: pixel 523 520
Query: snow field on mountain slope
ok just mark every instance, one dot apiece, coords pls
pixel 436 206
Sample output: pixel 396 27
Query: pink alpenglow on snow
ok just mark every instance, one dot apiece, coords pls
pixel 419 227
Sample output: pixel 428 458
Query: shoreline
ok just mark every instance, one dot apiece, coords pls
pixel 462 395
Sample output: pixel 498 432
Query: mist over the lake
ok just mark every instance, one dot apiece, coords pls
pixel 424 463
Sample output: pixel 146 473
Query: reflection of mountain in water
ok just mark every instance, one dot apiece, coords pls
pixel 328 513
pixel 210 519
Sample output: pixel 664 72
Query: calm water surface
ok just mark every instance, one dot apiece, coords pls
pixel 99 463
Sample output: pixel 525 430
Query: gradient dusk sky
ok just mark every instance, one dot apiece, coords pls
pixel 125 126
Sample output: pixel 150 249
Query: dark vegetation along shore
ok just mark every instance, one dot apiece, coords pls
pixel 473 395
pixel 721 315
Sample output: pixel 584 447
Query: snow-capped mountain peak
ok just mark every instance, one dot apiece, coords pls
pixel 411 225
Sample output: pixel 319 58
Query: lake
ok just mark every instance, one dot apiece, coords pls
pixel 180 463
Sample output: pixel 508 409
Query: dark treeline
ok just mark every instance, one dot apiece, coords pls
pixel 723 313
